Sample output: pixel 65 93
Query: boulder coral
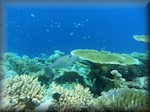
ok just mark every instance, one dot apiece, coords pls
pixel 20 93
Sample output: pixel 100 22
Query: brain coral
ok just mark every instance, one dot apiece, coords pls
pixel 104 57
pixel 20 93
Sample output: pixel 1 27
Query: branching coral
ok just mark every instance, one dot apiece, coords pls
pixel 20 93
pixel 118 80
pixel 74 99
pixel 123 99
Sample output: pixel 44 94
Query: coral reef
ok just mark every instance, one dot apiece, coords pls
pixel 21 92
pixel 104 57
pixel 76 73
pixel 21 65
pixel 71 99
pixel 141 56
pixel 25 65
pixel 142 38
pixel 57 54
pixel 78 82
pixel 123 99
pixel 104 62
pixel 141 82
pixel 1 68
pixel 118 80
pixel 75 98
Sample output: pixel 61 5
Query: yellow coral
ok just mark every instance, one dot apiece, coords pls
pixel 21 92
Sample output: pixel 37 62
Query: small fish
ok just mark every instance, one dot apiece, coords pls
pixel 85 63
pixel 56 96
pixel 32 15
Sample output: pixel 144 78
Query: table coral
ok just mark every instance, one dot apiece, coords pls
pixel 104 57
pixel 142 38
pixel 20 93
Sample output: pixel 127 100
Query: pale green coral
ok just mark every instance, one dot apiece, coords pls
pixel 104 57
pixel 123 99
pixel 57 54
pixel 142 56
pixel 142 38
pixel 20 93
pixel 118 80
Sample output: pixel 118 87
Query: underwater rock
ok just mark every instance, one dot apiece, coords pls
pixel 76 73
pixel 70 76
pixel 44 80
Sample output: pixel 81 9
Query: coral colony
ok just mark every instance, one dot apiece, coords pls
pixel 84 80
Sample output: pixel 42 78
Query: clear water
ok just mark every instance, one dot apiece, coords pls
pixel 32 30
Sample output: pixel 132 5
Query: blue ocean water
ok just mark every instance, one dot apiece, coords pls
pixel 34 30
